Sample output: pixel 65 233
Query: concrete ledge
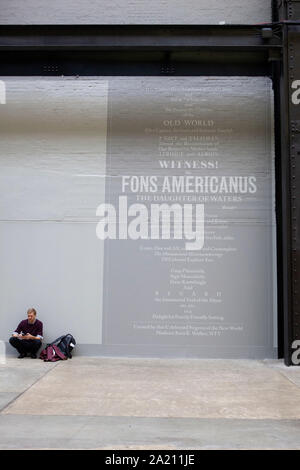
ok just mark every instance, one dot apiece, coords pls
pixel 89 432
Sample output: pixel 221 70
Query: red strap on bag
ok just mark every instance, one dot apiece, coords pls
pixel 49 357
pixel 43 354
pixel 59 353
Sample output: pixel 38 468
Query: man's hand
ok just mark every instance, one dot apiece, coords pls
pixel 28 336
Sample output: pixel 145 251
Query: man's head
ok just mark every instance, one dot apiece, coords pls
pixel 31 314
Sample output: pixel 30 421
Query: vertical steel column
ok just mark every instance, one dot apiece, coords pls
pixel 289 14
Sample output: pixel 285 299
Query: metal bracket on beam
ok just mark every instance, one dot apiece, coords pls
pixel 289 10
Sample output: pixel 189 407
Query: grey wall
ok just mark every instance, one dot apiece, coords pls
pixel 52 140
pixel 159 297
pixel 53 162
pixel 134 11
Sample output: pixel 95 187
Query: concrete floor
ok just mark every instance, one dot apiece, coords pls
pixel 129 403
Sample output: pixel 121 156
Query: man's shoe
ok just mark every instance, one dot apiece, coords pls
pixel 22 355
pixel 33 356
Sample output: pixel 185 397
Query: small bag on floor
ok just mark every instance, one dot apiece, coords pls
pixel 59 349
pixel 66 344
pixel 52 353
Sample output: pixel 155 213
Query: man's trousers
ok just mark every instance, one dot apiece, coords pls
pixel 24 346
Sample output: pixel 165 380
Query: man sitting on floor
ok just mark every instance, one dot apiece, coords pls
pixel 27 337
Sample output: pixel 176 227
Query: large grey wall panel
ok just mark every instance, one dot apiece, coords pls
pixel 134 11
pixel 66 143
pixel 161 297
pixel 52 167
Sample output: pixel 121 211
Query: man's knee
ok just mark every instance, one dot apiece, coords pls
pixel 37 343
pixel 13 340
pixel 15 343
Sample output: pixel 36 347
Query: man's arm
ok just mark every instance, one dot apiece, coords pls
pixel 40 332
pixel 18 330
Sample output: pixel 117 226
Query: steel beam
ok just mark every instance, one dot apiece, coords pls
pixel 136 37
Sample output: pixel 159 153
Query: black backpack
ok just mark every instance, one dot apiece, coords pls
pixel 65 343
